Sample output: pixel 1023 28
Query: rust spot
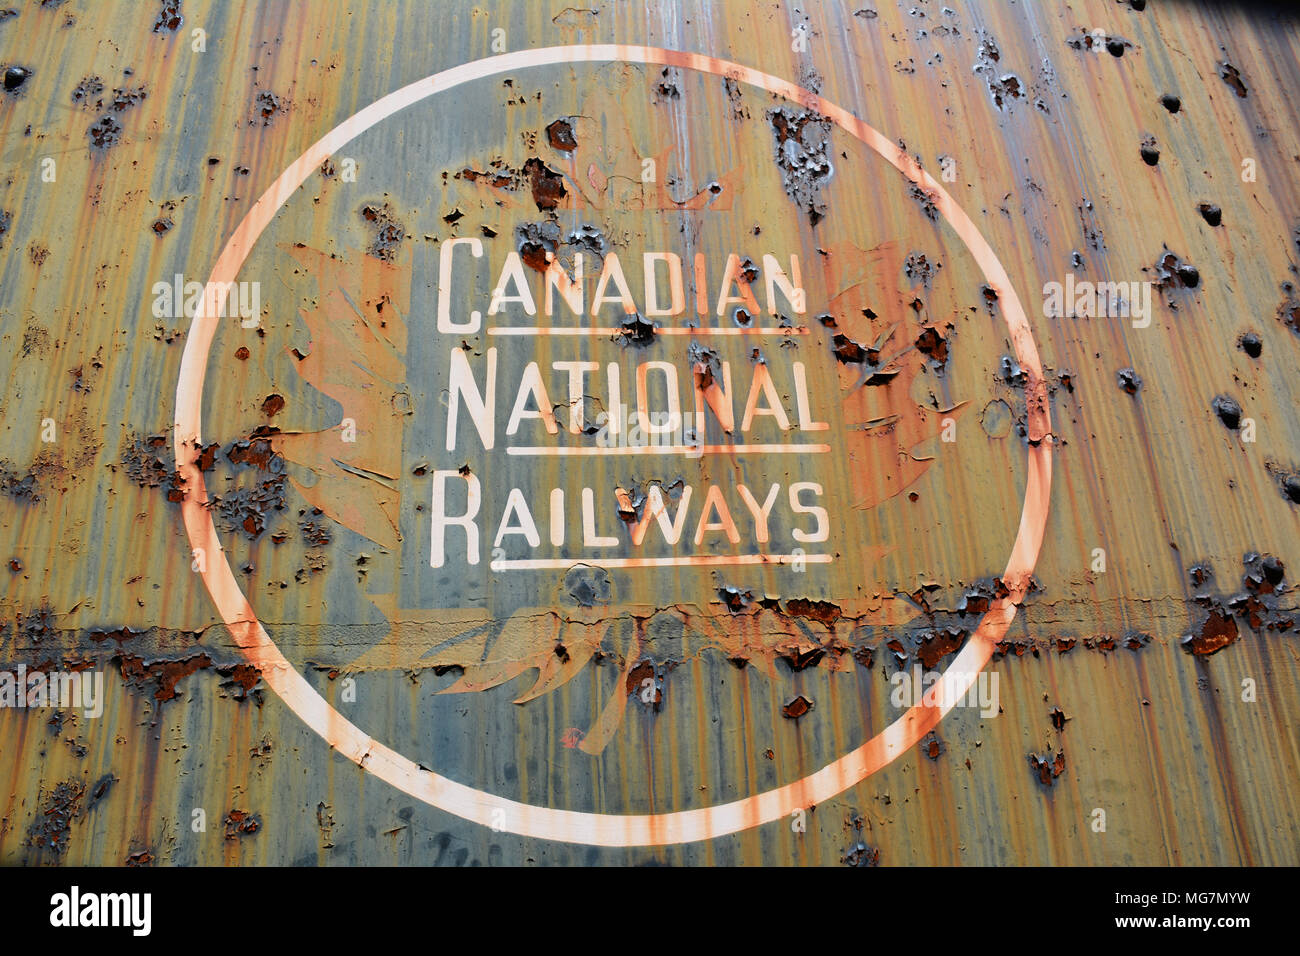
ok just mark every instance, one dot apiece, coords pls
pixel 240 823
pixel 1217 632
pixel 560 135
pixel 1232 76
pixel 1002 88
pixel 1128 380
pixel 933 345
pixel 1150 151
pixel 105 132
pixel 314 527
pixel 803 658
pixel 934 646
pixel 797 707
pixel 1262 580
pixel 1084 40
pixel 25 488
pixel 823 611
pixel 15 77
pixel 125 99
pixel 1264 573
pixel 537 242
pixel 926 201
pixel 1228 410
pixel 147 464
pixel 637 686
pixel 1058 718
pixel 169 17
pixel 932 747
pixel 735 599
pixel 272 405
pixel 1136 640
pixel 1014 646
pixel 37 624
pixel 1116 46
pixel 547 185
pixel 161 676
pixel 860 854
pixel 256 451
pixel 501 177
pixel 1172 273
pixel 240 677
pixel 117 634
pixel 802 154
pixel 1288 313
pixel 389 232
pixel 850 352
pixel 207 458
pixel 668 87
pixel 917 267
pixel 100 790
pixel 1102 642
pixel 978 599
pixel 1047 767
pixel 637 331
pixel 53 824
pixel 266 107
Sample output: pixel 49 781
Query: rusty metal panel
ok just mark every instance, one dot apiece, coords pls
pixel 503 433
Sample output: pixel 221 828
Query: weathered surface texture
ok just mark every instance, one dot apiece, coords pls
pixel 1150 673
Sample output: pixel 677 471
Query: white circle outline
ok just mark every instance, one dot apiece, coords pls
pixel 599 829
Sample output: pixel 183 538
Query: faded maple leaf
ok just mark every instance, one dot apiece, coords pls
pixel 877 360
pixel 357 357
pixel 604 167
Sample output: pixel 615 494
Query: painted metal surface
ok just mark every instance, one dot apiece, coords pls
pixel 292 643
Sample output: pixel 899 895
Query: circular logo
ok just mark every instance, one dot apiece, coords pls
pixel 732 401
